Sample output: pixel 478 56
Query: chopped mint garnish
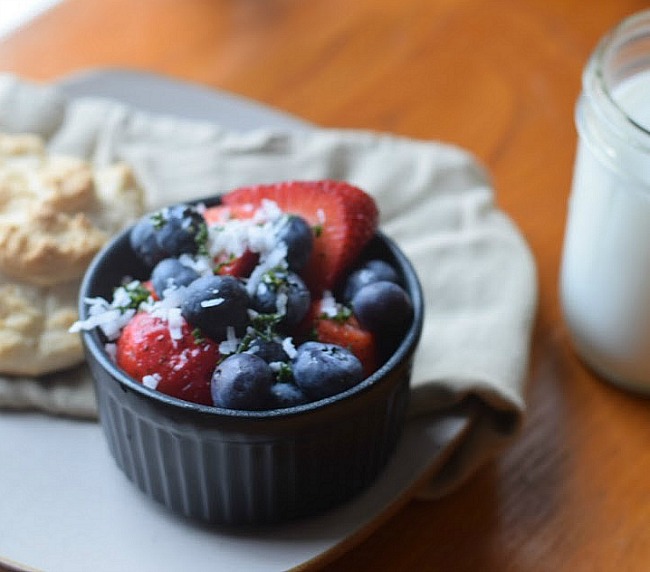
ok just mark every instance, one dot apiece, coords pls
pixel 264 324
pixel 284 373
pixel 201 239
pixel 137 294
pixel 158 220
pixel 220 266
pixel 198 336
pixel 275 277
pixel 342 315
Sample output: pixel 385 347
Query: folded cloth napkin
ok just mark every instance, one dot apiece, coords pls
pixel 476 270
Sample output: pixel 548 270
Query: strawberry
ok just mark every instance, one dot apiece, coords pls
pixel 238 266
pixel 344 219
pixel 344 330
pixel 219 214
pixel 184 367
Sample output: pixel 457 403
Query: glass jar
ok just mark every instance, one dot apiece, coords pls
pixel 605 273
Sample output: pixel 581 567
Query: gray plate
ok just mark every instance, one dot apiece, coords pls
pixel 66 506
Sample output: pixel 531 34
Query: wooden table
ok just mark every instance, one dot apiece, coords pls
pixel 499 78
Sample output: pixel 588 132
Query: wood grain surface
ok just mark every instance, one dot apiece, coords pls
pixel 499 78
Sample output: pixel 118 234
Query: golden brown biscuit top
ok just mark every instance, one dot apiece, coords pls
pixel 56 212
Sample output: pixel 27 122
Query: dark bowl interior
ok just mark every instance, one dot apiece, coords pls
pixel 248 467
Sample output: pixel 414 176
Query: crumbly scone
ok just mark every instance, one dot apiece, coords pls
pixel 34 323
pixel 47 246
pixel 56 213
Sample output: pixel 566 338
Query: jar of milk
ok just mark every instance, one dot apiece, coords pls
pixel 605 275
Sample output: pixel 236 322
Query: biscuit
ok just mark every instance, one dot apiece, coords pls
pixel 34 324
pixel 56 213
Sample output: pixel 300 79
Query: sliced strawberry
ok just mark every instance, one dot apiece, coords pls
pixel 238 266
pixel 227 264
pixel 345 331
pixel 344 219
pixel 219 214
pixel 183 367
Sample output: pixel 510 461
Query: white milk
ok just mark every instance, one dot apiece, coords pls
pixel 605 277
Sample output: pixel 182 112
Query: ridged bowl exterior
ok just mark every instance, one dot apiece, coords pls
pixel 236 471
pixel 245 468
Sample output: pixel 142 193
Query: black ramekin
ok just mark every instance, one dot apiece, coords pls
pixel 248 467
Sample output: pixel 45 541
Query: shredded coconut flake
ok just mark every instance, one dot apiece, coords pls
pixel 230 344
pixel 121 296
pixel 171 298
pixel 175 323
pixel 276 366
pixel 289 348
pixel 281 303
pixel 269 211
pixel 231 238
pixel 261 239
pixel 96 305
pixel 257 234
pixel 151 381
pixel 110 317
pixel 200 264
pixel 328 305
pixel 274 259
pixel 110 322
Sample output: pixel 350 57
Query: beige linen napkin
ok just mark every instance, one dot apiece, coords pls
pixel 477 272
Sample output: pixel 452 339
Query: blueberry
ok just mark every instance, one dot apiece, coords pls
pixel 171 273
pixel 180 230
pixel 213 303
pixel 242 381
pixel 284 293
pixel 287 395
pixel 270 351
pixel 299 238
pixel 169 232
pixel 383 307
pixel 143 242
pixel 372 271
pixel 321 370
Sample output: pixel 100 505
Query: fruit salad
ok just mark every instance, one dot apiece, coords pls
pixel 264 301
